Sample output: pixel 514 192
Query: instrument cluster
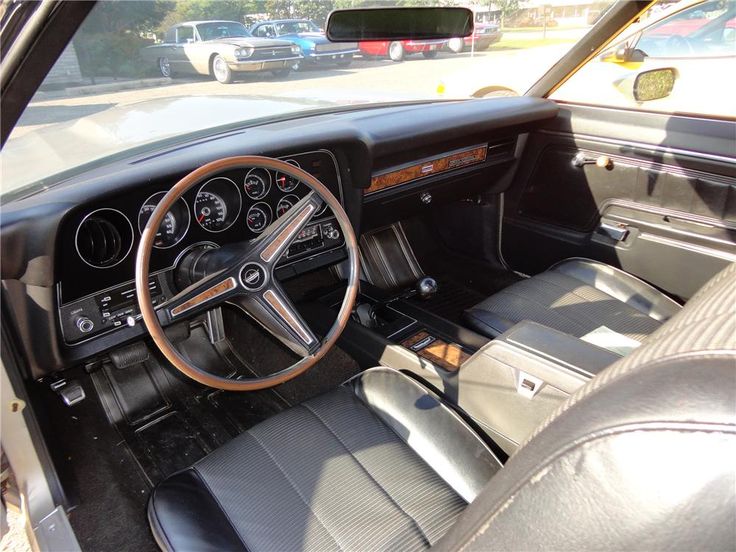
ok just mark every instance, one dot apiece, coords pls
pixel 262 195
pixel 235 205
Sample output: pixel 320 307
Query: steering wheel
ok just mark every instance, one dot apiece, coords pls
pixel 242 274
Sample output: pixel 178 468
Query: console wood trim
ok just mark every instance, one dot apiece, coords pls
pixel 445 355
pixel 456 160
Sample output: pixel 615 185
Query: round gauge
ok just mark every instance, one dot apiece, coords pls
pixel 285 182
pixel 217 204
pixel 259 217
pixel 257 183
pixel 172 228
pixel 286 203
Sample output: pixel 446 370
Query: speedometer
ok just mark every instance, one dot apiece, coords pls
pixel 217 204
pixel 174 225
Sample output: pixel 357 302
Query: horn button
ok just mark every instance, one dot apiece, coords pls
pixel 253 276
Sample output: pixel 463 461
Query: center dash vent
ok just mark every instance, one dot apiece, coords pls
pixel 502 149
pixel 104 238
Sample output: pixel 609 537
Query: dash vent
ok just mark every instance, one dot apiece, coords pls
pixel 104 238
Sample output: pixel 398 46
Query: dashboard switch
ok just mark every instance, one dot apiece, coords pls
pixel 84 324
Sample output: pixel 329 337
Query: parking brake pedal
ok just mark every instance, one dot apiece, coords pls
pixel 71 392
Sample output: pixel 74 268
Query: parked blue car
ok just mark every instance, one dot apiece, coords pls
pixel 316 48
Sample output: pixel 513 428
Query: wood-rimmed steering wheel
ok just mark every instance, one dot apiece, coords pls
pixel 242 274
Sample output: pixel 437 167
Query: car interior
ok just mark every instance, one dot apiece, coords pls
pixel 502 324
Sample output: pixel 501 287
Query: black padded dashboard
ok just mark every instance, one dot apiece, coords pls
pixel 40 269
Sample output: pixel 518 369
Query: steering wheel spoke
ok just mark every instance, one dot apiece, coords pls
pixel 198 297
pixel 273 310
pixel 276 239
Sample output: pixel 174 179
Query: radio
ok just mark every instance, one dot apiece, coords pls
pixel 315 238
pixel 106 310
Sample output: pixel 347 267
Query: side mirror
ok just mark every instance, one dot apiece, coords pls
pixel 654 84
pixel 624 54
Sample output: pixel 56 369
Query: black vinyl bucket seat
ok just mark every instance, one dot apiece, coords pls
pixel 642 457
pixel 576 296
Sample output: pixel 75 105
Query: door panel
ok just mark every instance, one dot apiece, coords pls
pixel 664 210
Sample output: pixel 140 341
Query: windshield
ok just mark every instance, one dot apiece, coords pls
pixel 136 74
pixel 221 29
pixel 295 27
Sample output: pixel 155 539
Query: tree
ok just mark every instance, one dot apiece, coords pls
pixel 507 8
pixel 137 16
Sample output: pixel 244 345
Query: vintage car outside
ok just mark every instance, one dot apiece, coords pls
pixel 315 46
pixel 398 49
pixel 484 34
pixel 220 49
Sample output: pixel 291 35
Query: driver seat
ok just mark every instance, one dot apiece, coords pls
pixel 642 457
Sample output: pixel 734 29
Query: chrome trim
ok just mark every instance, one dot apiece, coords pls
pixel 287 315
pixel 327 54
pixel 263 61
pixel 642 145
pixel 197 300
pixel 132 236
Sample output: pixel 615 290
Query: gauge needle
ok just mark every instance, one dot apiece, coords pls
pixel 200 218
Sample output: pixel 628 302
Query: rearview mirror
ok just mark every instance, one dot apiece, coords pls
pixel 654 84
pixel 364 24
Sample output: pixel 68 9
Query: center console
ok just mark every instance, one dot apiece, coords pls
pixel 507 386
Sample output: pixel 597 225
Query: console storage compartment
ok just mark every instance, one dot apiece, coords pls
pixel 514 382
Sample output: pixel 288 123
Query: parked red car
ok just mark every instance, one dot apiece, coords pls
pixel 398 49
pixel 483 35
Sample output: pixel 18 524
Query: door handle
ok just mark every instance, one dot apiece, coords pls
pixel 602 161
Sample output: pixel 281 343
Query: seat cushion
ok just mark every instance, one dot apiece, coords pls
pixel 577 296
pixel 379 463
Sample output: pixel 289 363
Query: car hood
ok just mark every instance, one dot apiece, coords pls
pixel 36 153
pixel 253 41
pixel 316 38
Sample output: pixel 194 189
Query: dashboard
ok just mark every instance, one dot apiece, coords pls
pixel 68 250
pixel 97 292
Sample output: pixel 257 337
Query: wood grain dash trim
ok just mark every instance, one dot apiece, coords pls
pixel 206 295
pixel 437 165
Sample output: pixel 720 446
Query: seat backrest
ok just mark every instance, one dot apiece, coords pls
pixel 642 457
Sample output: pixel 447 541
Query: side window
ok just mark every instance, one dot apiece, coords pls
pixel 705 30
pixel 184 34
pixel 264 31
pixel 683 62
pixel 170 37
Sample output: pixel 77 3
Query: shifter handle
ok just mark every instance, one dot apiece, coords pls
pixel 426 287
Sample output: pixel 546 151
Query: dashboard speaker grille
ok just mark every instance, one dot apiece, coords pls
pixel 104 238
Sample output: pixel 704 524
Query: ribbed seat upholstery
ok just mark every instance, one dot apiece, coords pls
pixel 355 469
pixel 640 458
pixel 576 297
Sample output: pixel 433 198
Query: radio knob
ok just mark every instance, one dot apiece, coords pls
pixel 84 324
pixel 333 233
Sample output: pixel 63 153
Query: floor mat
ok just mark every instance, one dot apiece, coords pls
pixel 107 490
pixel 463 281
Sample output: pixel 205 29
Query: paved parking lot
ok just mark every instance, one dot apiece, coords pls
pixel 448 75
